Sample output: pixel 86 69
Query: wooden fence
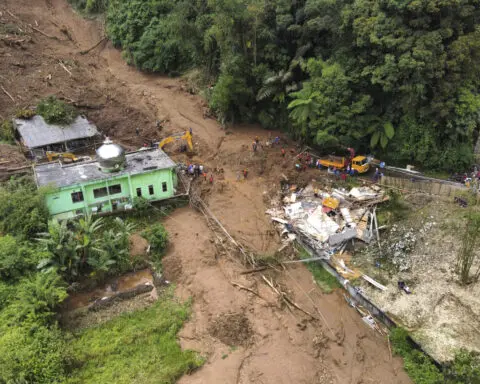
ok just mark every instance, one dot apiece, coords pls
pixel 432 187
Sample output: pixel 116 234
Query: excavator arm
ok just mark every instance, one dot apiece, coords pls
pixel 186 136
pixel 166 141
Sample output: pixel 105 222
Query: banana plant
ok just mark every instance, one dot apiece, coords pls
pixel 381 134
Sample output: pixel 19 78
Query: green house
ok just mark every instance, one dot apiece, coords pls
pixel 108 184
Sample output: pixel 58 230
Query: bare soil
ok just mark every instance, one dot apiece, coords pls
pixel 284 347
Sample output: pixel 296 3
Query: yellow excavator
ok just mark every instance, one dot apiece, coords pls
pixel 66 157
pixel 180 136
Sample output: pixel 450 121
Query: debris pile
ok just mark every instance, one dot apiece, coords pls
pixel 325 220
pixel 232 329
pixel 402 242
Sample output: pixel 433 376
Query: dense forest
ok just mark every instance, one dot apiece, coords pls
pixel 399 78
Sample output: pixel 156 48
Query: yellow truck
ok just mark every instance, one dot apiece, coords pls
pixel 358 163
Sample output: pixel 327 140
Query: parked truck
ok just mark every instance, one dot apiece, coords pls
pixel 358 163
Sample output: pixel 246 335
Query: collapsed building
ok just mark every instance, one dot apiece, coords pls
pixel 37 137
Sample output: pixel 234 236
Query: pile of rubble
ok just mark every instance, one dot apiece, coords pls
pixel 325 220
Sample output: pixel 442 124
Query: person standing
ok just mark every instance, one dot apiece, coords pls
pixel 283 152
pixel 211 178
pixel 245 173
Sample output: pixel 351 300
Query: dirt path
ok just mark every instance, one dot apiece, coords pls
pixel 268 343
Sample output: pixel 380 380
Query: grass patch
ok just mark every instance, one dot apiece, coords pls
pixel 392 211
pixel 138 347
pixel 442 175
pixel 323 278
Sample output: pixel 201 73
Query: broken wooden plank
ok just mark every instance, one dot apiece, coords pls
pixel 65 68
pixel 246 289
pixel 93 47
pixel 8 94
pixel 279 220
pixel 253 270
pixel 305 260
pixel 374 283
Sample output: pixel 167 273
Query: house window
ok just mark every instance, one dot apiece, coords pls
pixel 114 189
pixel 150 189
pixel 100 192
pixel 164 186
pixel 77 197
pixel 139 192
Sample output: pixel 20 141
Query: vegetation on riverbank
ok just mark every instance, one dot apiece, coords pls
pixel 464 369
pixel 38 260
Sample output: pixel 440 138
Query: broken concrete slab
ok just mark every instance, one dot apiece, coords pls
pixel 338 238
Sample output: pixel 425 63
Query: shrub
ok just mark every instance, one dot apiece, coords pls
pixel 7 132
pixel 141 206
pixel 157 236
pixel 465 368
pixel 55 111
pixel 25 114
pixel 90 6
pixel 23 212
pixel 32 355
pixel 419 366
pixel 36 299
pixel 16 259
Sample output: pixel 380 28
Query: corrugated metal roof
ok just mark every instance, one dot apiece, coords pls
pixel 36 132
pixel 59 175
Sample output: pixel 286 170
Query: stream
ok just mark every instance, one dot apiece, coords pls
pixel 111 287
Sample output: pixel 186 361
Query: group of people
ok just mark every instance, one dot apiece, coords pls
pixel 195 170
pixel 244 172
pixel 304 161
pixel 341 173
pixel 268 143
pixel 377 175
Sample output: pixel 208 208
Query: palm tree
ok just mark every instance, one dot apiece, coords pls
pixel 276 86
pixel 304 108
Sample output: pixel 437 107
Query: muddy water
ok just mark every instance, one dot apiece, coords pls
pixel 111 287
